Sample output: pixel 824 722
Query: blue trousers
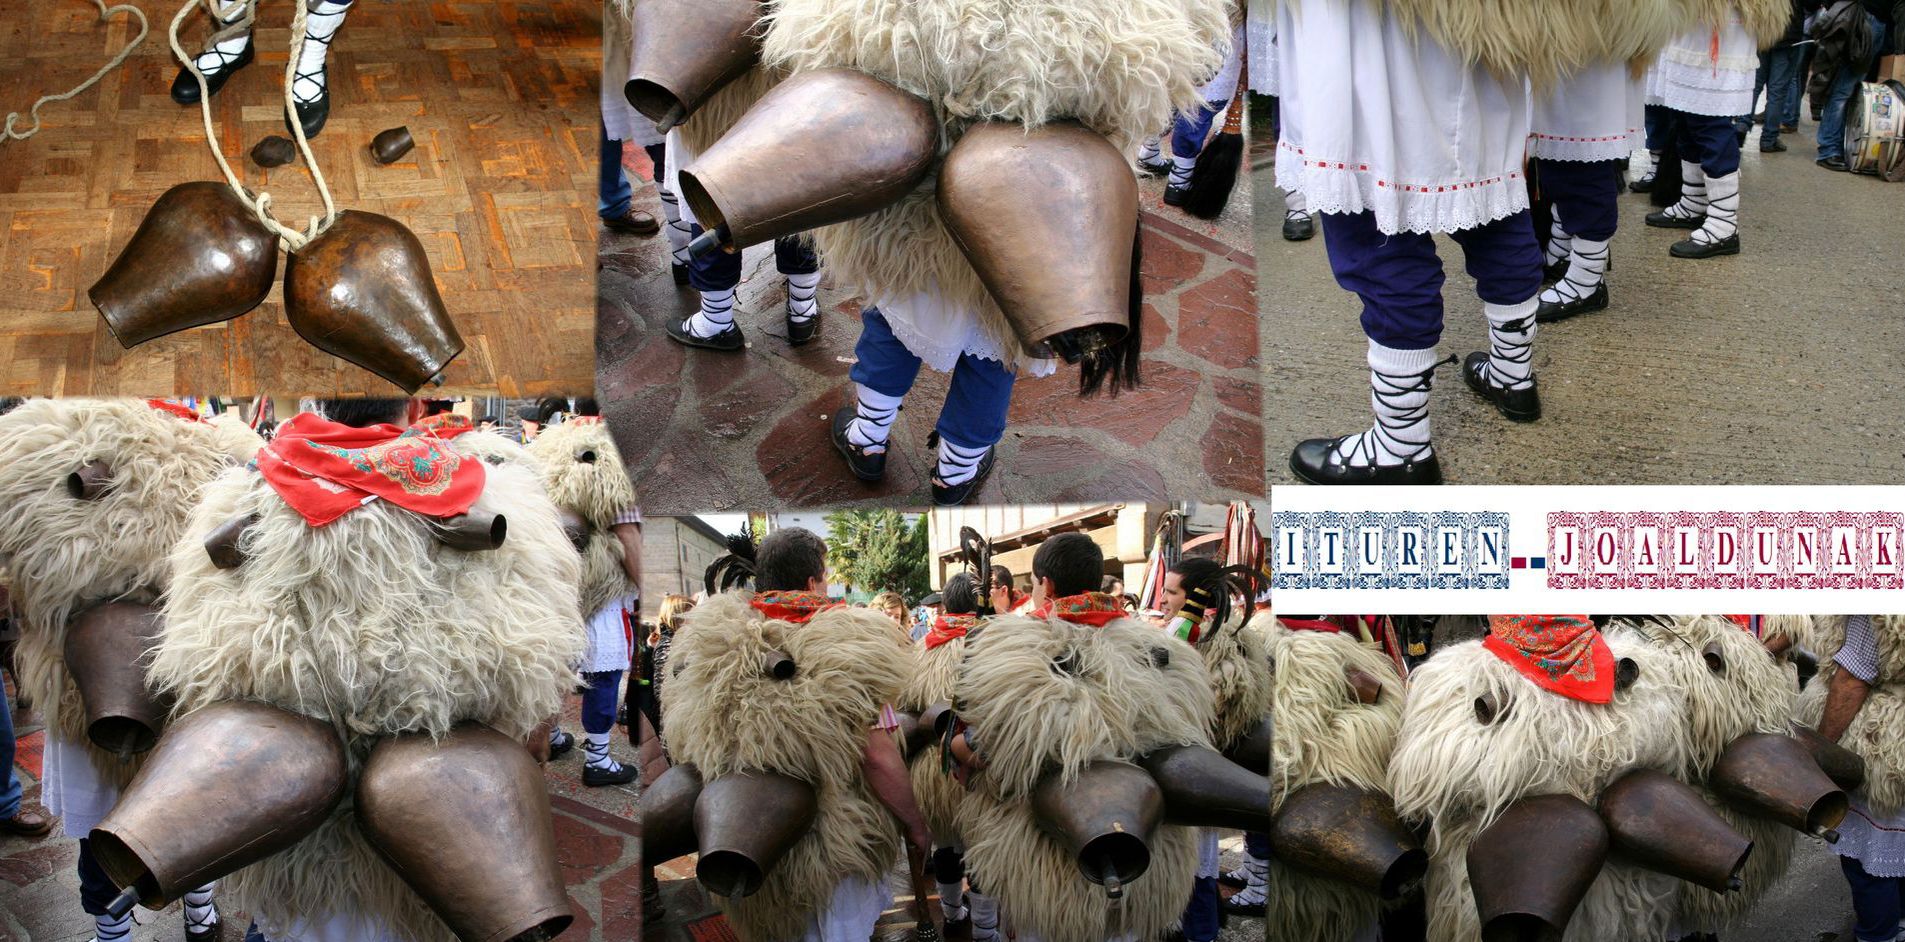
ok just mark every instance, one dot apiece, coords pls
pixel 1399 278
pixel 9 782
pixel 96 891
pixel 719 271
pixel 1782 90
pixel 976 403
pixel 598 701
pixel 613 194
pixel 1587 194
pixel 1832 120
pixel 1202 915
pixel 1876 902
pixel 1188 131
pixel 1710 141
pixel 1658 119
pixel 1257 844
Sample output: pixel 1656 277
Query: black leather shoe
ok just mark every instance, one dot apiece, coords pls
pixel 1661 219
pixel 1643 185
pixel 1234 882
pixel 1836 164
pixel 1315 461
pixel 956 494
pixel 560 744
pixel 727 341
pixel 185 88
pixel 1555 272
pixel 1519 405
pixel 311 115
pixel 1156 165
pixel 1690 248
pixel 211 933
pixel 680 272
pixel 1551 311
pixel 1775 147
pixel 1241 909
pixel 596 778
pixel 1298 228
pixel 800 332
pixel 865 465
pixel 1176 195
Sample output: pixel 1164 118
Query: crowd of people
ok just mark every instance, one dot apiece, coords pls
pixel 952 791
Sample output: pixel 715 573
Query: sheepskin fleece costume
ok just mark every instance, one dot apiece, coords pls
pixel 374 627
pixel 935 672
pixel 598 490
pixel 1325 735
pixel 1125 689
pixel 1460 775
pixel 1548 39
pixel 1120 67
pixel 66 554
pixel 1823 635
pixel 1874 732
pixel 1751 692
pixel 493 448
pixel 1238 659
pixel 723 714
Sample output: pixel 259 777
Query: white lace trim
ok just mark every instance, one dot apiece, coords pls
pixel 942 354
pixel 1586 149
pixel 1332 186
pixel 1876 842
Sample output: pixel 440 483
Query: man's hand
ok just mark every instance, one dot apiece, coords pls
pixel 539 741
pixel 631 536
pixel 967 762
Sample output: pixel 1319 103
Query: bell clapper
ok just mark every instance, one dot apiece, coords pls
pixel 671 118
pixel 123 903
pixel 709 240
pixel 1826 834
pixel 1114 888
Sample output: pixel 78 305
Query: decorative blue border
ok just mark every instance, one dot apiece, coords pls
pixel 1389 550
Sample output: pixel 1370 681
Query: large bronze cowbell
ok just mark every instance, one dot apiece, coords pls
pixel 1533 866
pixel 1350 835
pixel 1658 822
pixel 106 647
pixel 1106 817
pixel 362 291
pixel 745 822
pixel 199 257
pixel 228 785
pixel 685 51
pixel 823 147
pixel 1014 199
pixel 465 822
pixel 1774 776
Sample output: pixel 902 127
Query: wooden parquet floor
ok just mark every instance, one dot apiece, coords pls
pixel 501 98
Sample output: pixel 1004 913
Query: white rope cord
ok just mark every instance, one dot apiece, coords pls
pixel 105 13
pixel 291 239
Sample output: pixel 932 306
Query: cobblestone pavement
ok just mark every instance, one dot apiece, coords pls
pixel 704 431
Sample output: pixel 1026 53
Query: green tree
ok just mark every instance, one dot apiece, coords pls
pixel 876 550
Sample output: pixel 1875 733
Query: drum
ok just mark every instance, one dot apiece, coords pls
pixel 1875 130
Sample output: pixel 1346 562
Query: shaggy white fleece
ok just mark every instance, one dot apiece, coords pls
pixel 1325 735
pixel 66 554
pixel 375 627
pixel 598 490
pixel 1045 695
pixel 1459 774
pixel 1823 635
pixel 1546 39
pixel 1238 659
pixel 236 438
pixel 1120 67
pixel 724 714
pixel 935 671
pixel 1747 691
pixel 496 449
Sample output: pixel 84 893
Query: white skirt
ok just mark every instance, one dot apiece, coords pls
pixel 610 635
pixel 72 789
pixel 1707 71
pixel 938 333
pixel 1377 118
pixel 1223 85
pixel 1597 114
pixel 1260 33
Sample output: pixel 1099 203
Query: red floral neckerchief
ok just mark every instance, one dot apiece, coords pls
pixel 791 605
pixel 947 627
pixel 445 425
pixel 173 408
pixel 325 470
pixel 1318 623
pixel 1096 609
pixel 1564 654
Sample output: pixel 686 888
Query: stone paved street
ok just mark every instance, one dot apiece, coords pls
pixel 705 431
pixel 595 844
pixel 1769 367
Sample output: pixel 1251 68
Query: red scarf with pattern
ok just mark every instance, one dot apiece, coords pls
pixel 174 408
pixel 1317 623
pixel 797 606
pixel 1096 609
pixel 325 470
pixel 444 425
pixel 947 627
pixel 1564 654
